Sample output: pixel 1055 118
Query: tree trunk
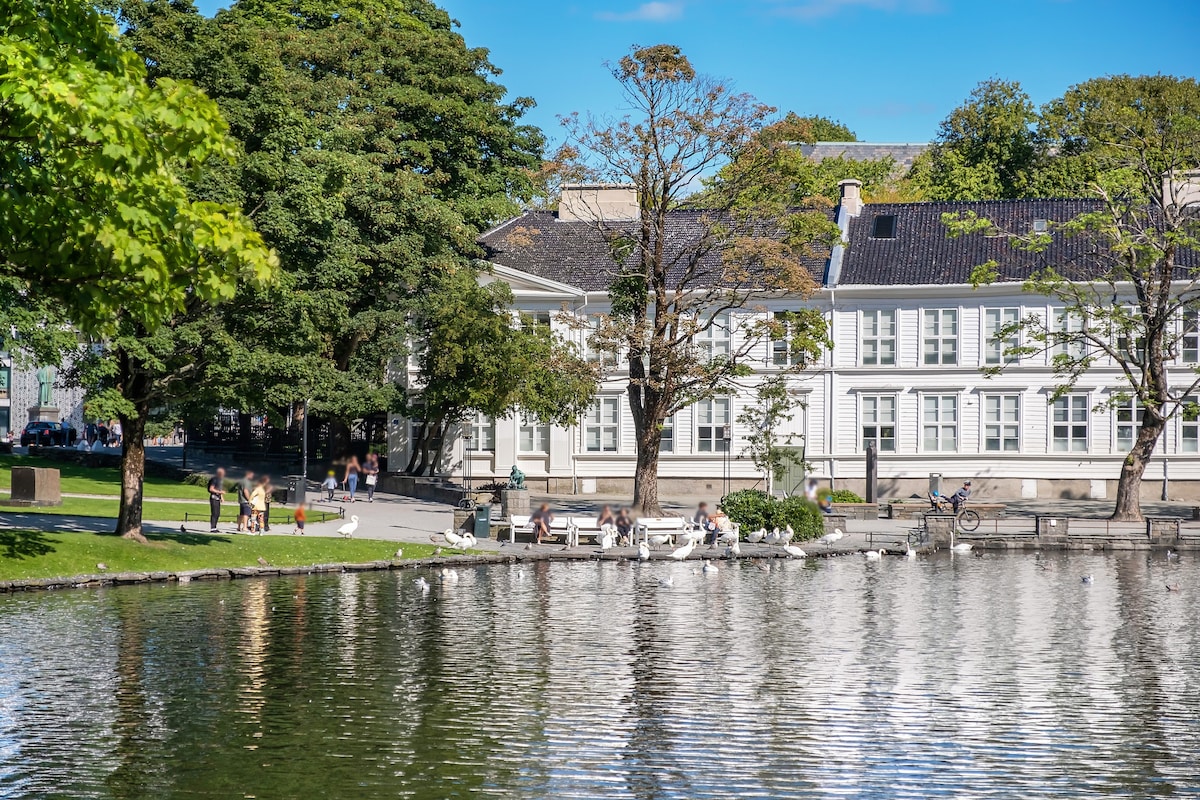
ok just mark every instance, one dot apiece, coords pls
pixel 1129 487
pixel 645 478
pixel 133 471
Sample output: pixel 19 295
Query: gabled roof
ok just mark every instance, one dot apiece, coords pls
pixel 579 253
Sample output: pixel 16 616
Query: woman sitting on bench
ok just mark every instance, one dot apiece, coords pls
pixel 540 522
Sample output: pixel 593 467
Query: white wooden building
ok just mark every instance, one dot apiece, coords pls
pixel 911 337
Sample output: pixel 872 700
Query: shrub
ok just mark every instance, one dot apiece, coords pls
pixel 846 496
pixel 753 509
pixel 805 518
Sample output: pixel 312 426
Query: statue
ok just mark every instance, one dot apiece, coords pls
pixel 516 478
pixel 46 376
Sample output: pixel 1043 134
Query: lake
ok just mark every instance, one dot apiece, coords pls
pixel 1002 676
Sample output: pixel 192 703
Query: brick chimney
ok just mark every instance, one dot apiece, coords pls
pixel 851 201
pixel 598 202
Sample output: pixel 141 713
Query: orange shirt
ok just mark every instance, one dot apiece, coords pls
pixel 299 515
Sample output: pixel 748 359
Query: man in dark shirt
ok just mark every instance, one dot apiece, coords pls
pixel 959 498
pixel 245 487
pixel 216 490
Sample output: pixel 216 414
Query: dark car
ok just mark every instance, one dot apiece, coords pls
pixel 42 433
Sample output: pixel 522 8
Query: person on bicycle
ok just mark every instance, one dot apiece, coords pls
pixel 959 498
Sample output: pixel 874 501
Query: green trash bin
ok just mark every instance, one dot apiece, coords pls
pixel 483 521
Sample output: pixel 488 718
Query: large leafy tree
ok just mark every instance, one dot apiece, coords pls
pixel 671 284
pixel 1132 292
pixel 375 145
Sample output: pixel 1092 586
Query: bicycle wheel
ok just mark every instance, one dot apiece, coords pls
pixel 968 520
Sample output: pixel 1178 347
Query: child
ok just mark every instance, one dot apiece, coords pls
pixel 329 485
pixel 300 516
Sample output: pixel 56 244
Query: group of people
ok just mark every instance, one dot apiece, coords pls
pixel 713 524
pixel 368 470
pixel 254 503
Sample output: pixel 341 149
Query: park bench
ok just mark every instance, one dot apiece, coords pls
pixel 668 526
pixel 521 523
pixel 588 527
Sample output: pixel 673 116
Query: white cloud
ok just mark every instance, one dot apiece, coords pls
pixel 820 9
pixel 655 11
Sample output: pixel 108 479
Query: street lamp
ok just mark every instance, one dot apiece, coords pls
pixel 726 438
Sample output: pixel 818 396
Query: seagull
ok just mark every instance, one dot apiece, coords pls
pixel 529 546
pixel 437 551
pixel 666 582
pixel 643 552
pixel 733 551
pixel 794 552
pixel 1172 587
pixel 399 553
pixel 681 553
pixel 349 528
pixel 754 537
pixel 1087 579
pixel 874 555
pixel 830 538
pixel 774 537
pixel 102 566
pixel 709 567
pixel 422 584
pixel 962 547
pixel 262 562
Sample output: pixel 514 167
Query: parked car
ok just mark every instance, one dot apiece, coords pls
pixel 43 433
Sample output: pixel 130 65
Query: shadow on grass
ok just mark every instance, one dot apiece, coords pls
pixel 24 544
pixel 189 539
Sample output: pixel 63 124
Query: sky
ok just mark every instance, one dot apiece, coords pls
pixel 889 69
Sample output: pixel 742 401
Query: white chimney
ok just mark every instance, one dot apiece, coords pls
pixel 598 202
pixel 851 202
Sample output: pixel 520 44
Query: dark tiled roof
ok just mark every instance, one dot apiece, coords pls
pixel 923 253
pixel 902 152
pixel 579 254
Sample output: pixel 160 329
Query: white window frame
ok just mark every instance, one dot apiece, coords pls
pixel 1189 430
pixel 934 323
pixel 871 416
pixel 533 430
pixel 536 319
pixel 595 355
pixel 483 432
pixel 711 417
pixel 1126 418
pixel 1001 428
pixel 717 339
pixel 995 318
pixel 1139 342
pixel 1189 336
pixel 666 442
pixel 1062 320
pixel 1070 425
pixel 782 354
pixel 945 408
pixel 606 427
pixel 875 336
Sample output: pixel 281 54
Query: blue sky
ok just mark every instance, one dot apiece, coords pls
pixel 890 69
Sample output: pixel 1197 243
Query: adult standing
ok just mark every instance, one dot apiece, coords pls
pixel 371 475
pixel 244 490
pixel 258 503
pixel 118 433
pixel 216 491
pixel 353 468
pixel 268 490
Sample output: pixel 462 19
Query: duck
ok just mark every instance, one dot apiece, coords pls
pixel 681 553
pixel 349 528
pixel 794 552
pixel 754 537
pixel 709 568
pixel 643 552
pixel 874 555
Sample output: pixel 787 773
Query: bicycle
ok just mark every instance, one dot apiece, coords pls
pixel 966 519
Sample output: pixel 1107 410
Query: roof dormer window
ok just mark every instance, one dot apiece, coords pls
pixel 884 227
pixel 1040 225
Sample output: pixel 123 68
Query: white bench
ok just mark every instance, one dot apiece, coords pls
pixel 522 523
pixel 663 526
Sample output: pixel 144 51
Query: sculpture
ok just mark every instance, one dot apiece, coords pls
pixel 516 478
pixel 46 376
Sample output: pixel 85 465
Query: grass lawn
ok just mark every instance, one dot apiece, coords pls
pixel 78 479
pixel 155 512
pixel 30 554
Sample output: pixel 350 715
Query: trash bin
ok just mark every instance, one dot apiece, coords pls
pixel 483 521
pixel 935 483
pixel 295 485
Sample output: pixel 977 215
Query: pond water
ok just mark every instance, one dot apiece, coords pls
pixel 1003 676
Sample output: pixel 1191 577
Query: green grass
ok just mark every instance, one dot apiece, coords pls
pixel 154 512
pixel 78 479
pixel 30 554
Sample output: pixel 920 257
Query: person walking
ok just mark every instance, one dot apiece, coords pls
pixel 371 475
pixel 353 468
pixel 300 515
pixel 216 491
pixel 329 485
pixel 245 509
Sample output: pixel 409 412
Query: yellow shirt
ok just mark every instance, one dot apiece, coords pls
pixel 258 499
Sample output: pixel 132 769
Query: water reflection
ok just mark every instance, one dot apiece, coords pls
pixel 953 676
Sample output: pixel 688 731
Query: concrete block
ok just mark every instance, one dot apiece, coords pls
pixel 36 486
pixel 834 521
pixel 514 501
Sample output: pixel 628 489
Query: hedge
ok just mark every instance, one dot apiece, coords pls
pixel 753 509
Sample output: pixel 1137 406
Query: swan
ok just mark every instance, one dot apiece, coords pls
pixel 910 554
pixel 666 582
pixel 874 555
pixel 467 541
pixel 728 537
pixel 794 552
pixel 791 534
pixel 830 538
pixel 754 537
pixel 643 552
pixel 349 528
pixel 607 540
pixel 774 537
pixel 709 567
pixel 449 576
pixel 658 539
pixel 734 550
pixel 681 553
pixel 962 547
pixel 452 538
pixel 1086 579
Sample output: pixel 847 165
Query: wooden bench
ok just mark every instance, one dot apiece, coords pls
pixel 670 527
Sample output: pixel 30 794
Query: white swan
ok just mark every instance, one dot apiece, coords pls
pixel 452 538
pixel 733 551
pixel 643 552
pixel 467 541
pixel 607 540
pixel 910 554
pixel 681 553
pixel 754 537
pixel 666 582
pixel 874 555
pixel 830 538
pixel 658 539
pixel 962 547
pixel 449 576
pixel 349 528
pixel 709 567
pixel 791 534
pixel 728 537
pixel 794 552
pixel 774 537
pixel 695 536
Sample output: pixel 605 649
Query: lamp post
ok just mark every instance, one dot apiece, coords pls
pixel 303 498
pixel 726 438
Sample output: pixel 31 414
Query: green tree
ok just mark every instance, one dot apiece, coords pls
pixel 670 290
pixel 1134 144
pixel 985 150
pixel 774 405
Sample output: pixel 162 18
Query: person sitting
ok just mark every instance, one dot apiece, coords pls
pixel 959 498
pixel 606 517
pixel 700 518
pixel 624 523
pixel 540 521
pixel 720 523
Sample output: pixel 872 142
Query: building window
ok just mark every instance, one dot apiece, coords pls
pixel 1191 337
pixel 666 443
pixel 1040 225
pixel 483 434
pixel 939 423
pixel 879 338
pixel 600 429
pixel 1128 414
pixel 712 425
pixel 1189 440
pixel 1130 345
pixel 1067 336
pixel 1002 423
pixel 716 341
pixel 5 376
pixel 535 319
pixel 941 336
pixel 534 436
pixel 596 353
pixel 879 422
pixel 884 227
pixel 1000 335
pixel 1070 428
pixel 782 353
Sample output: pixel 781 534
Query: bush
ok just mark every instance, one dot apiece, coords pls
pixel 753 509
pixel 846 496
